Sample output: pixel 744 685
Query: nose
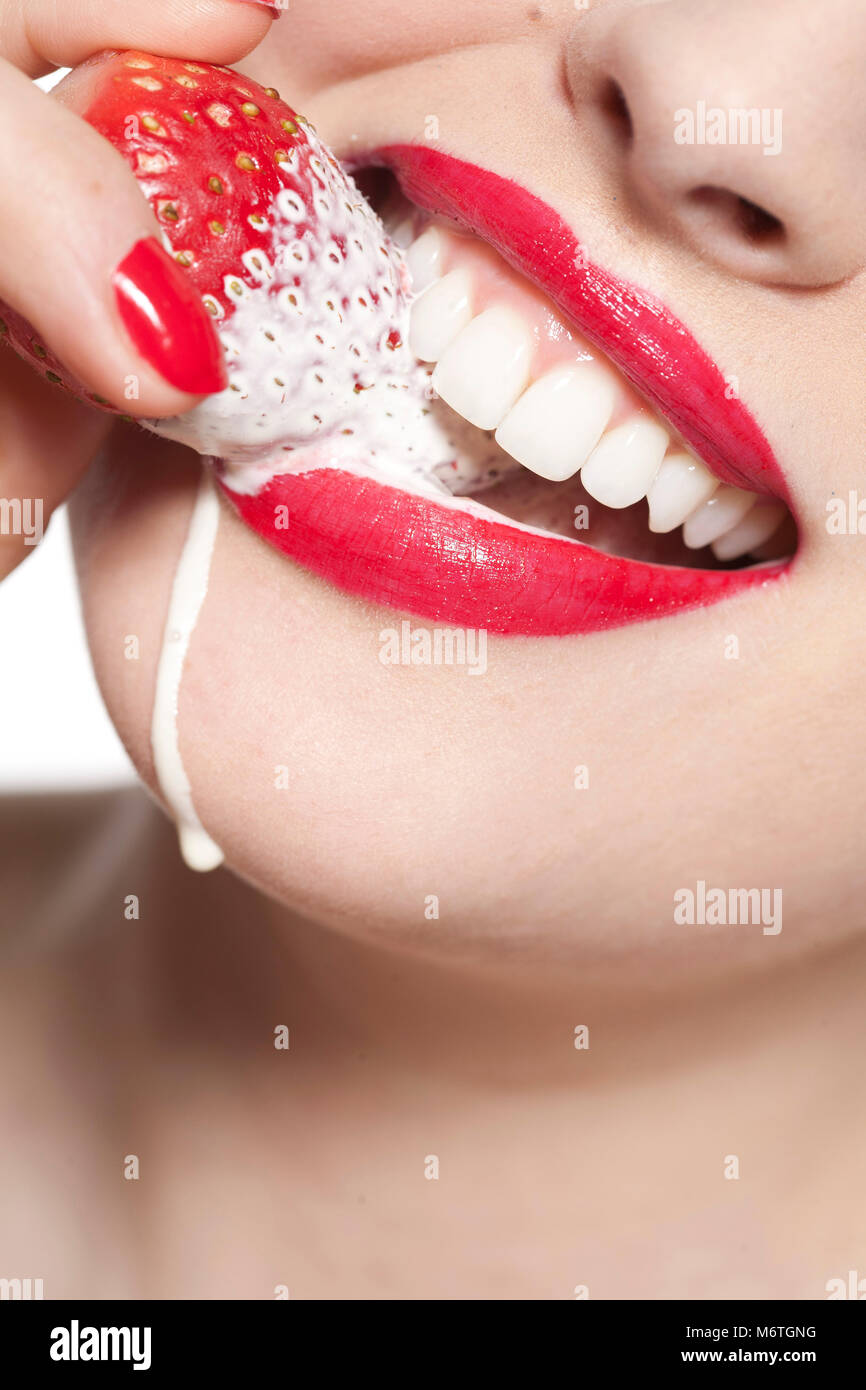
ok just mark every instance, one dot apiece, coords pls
pixel 737 125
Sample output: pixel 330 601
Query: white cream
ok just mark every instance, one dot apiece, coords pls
pixel 187 597
pixel 323 369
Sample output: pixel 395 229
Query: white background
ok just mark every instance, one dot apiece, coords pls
pixel 54 731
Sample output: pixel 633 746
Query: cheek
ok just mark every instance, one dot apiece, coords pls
pixel 128 522
pixel 336 40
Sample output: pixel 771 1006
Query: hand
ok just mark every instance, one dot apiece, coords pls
pixel 73 228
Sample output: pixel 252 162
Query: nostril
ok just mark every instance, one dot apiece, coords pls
pixel 615 108
pixel 746 219
pixel 758 224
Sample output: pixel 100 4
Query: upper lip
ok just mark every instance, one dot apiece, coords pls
pixel 634 329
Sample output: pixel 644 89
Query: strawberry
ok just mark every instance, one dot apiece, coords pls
pixel 308 294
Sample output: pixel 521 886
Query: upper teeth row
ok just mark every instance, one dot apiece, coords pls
pixel 557 424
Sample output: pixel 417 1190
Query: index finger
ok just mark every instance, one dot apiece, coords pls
pixel 39 35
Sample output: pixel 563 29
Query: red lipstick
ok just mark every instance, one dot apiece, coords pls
pixel 444 564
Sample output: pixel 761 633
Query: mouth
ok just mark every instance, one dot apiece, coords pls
pixel 606 472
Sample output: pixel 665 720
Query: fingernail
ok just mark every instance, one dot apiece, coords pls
pixel 276 7
pixel 167 321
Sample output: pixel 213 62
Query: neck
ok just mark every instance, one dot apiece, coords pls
pixel 623 1019
pixel 691 1126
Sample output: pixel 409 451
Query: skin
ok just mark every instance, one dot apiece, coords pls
pixel 560 1168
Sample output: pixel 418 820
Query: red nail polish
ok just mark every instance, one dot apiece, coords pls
pixel 275 6
pixel 167 321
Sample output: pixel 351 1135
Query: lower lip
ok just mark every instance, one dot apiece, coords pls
pixel 444 564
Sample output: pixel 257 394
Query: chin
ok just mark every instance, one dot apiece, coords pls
pixel 526 802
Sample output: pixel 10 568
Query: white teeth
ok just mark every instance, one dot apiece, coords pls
pixel 621 468
pixel 756 527
pixel 439 314
pixel 402 234
pixel 486 367
pixel 681 484
pixel 720 513
pixel 558 426
pixel 424 259
pixel 559 420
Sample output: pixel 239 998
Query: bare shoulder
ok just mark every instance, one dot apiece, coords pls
pixel 63 862
pixel 94 897
pixel 104 1003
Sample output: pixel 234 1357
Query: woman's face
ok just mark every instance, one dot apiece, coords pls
pixel 718 744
